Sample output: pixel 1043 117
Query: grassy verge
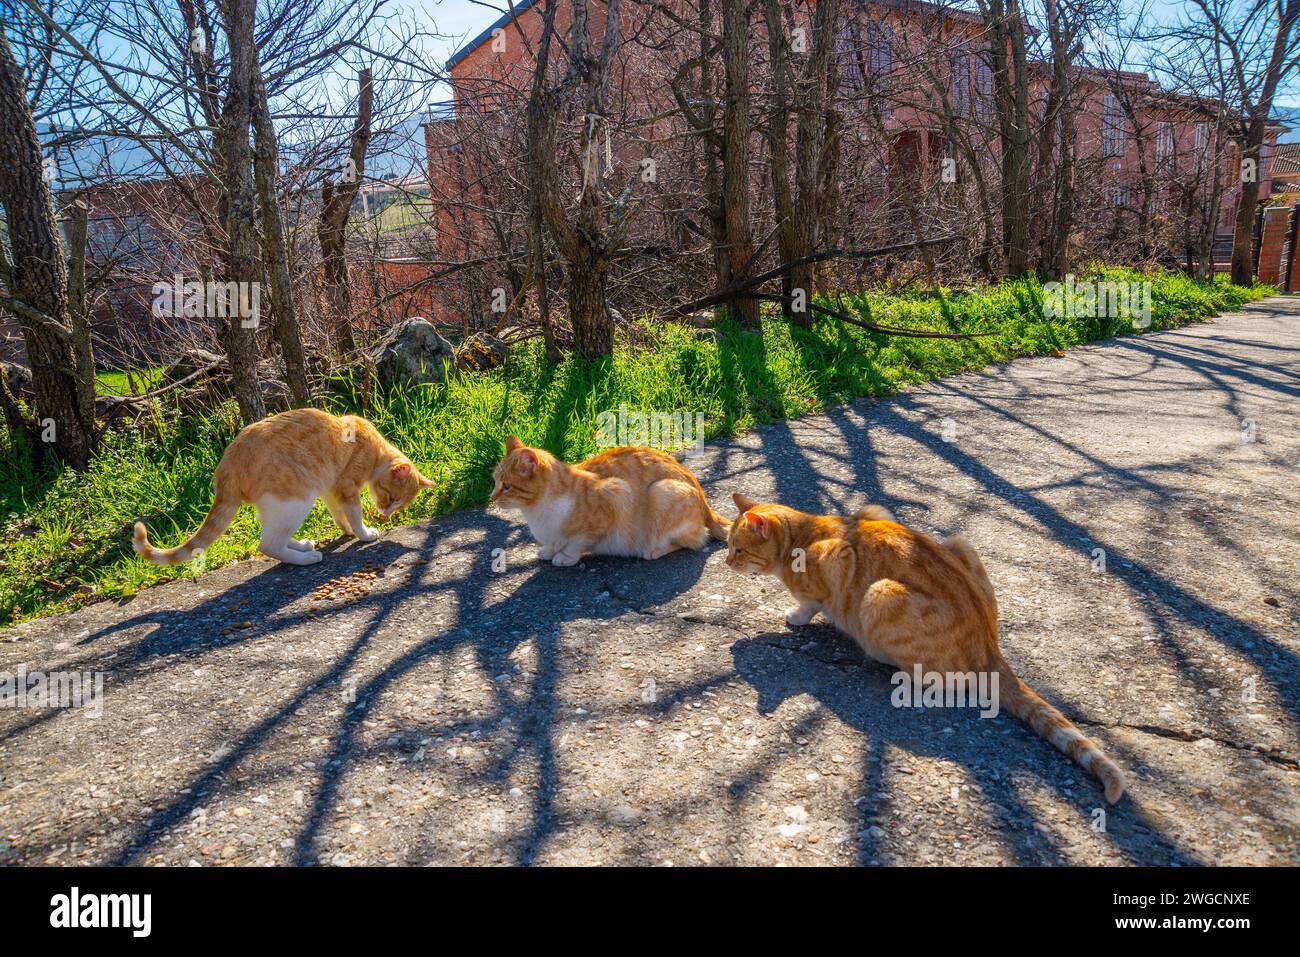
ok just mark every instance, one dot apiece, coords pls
pixel 135 382
pixel 65 534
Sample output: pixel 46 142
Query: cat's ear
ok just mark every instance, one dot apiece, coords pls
pixel 400 470
pixel 743 503
pixel 757 524
pixel 512 443
pixel 526 464
pixel 426 482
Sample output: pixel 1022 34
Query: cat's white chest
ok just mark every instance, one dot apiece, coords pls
pixel 546 520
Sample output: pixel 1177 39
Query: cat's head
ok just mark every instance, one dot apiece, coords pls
pixel 752 544
pixel 519 480
pixel 396 487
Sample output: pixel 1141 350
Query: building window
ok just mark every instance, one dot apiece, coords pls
pixel 848 44
pixel 1164 143
pixel 959 82
pixel 983 85
pixel 880 61
pixel 1112 128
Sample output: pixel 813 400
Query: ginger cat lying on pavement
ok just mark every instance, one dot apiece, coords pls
pixel 631 501
pixel 905 598
pixel 282 465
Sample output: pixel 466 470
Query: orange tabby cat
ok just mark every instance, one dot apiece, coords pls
pixel 631 501
pixel 282 465
pixel 905 598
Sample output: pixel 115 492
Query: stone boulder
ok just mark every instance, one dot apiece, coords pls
pixel 276 395
pixel 412 352
pixel 481 352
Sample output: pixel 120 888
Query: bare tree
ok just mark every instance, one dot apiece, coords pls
pixel 589 236
pixel 237 332
pixel 1258 48
pixel 1008 58
pixel 804 93
pixel 1066 23
pixel 36 280
pixel 336 203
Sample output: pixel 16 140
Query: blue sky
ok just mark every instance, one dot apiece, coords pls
pixel 461 19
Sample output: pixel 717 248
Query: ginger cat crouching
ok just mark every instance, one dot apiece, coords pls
pixel 282 465
pixel 631 501
pixel 905 598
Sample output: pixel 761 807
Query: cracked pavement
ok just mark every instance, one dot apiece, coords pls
pixel 1135 502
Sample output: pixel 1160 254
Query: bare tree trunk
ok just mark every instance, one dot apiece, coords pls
pixel 813 127
pixel 537 257
pixel 1281 60
pixel 238 334
pixel 779 148
pixel 266 163
pixel 800 208
pixel 739 237
pixel 336 199
pixel 1243 232
pixel 1006 30
pixel 78 307
pixel 590 239
pixel 1056 143
pixel 37 280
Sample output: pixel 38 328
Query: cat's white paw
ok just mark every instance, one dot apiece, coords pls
pixel 545 553
pixel 292 556
pixel 562 560
pixel 303 544
pixel 800 615
pixel 367 534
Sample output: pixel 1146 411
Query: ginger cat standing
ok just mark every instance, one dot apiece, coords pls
pixel 282 465
pixel 631 501
pixel 905 598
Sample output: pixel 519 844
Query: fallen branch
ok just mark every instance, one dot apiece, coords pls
pixel 126 399
pixel 862 323
pixel 736 289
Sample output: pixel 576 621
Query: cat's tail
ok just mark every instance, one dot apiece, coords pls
pixel 719 527
pixel 1018 698
pixel 219 518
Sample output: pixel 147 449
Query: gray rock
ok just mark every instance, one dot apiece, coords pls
pixel 480 352
pixel 413 352
pixel 276 396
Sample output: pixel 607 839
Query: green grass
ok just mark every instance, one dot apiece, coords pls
pixel 406 214
pixel 135 382
pixel 62 531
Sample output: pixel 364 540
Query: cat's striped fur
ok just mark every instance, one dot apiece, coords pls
pixel 906 599
pixel 281 465
pixel 632 501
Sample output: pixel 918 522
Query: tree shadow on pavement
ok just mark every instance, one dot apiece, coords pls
pixel 532 614
pixel 1166 601
pixel 857 692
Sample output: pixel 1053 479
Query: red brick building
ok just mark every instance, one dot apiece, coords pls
pixel 1146 151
